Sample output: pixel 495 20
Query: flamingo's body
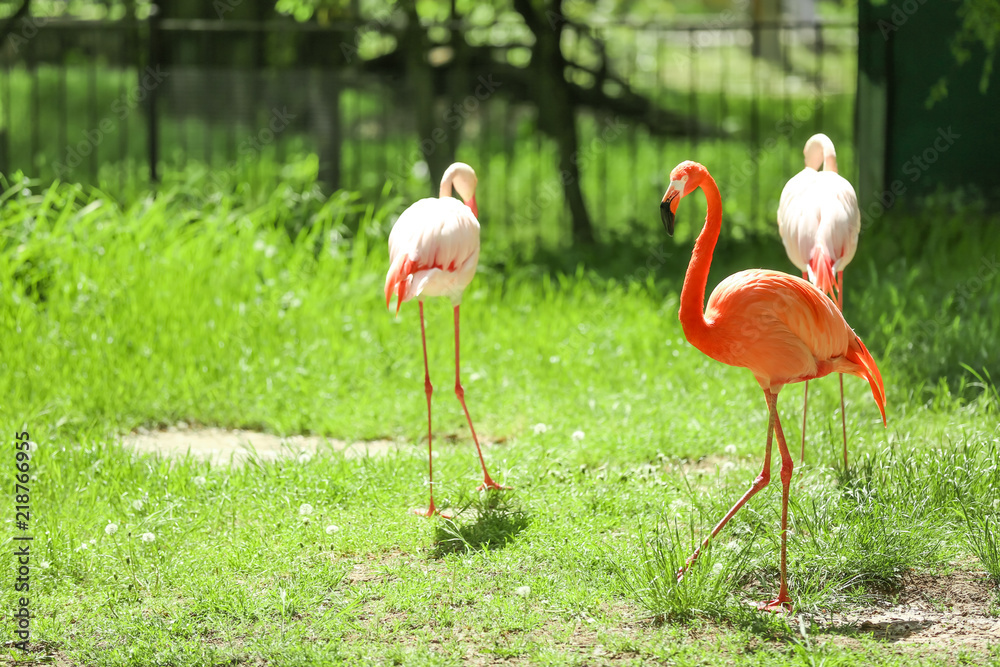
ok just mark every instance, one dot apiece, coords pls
pixel 819 222
pixel 780 327
pixel 434 251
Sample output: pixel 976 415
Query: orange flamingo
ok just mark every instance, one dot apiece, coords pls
pixel 819 222
pixel 434 251
pixel 779 326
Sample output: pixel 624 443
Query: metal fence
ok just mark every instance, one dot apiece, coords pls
pixel 100 102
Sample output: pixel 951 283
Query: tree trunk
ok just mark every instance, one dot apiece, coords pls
pixel 553 98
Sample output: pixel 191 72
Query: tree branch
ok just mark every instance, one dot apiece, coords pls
pixel 8 27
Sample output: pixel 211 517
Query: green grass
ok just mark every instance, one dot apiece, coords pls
pixel 263 308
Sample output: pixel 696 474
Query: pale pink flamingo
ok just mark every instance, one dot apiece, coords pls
pixel 780 327
pixel 433 251
pixel 819 221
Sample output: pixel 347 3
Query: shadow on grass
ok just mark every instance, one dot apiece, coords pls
pixel 487 521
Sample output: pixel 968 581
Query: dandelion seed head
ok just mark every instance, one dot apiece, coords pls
pixel 305 509
pixel 540 428
pixel 330 530
pixel 578 435
pixel 148 537
pixel 111 529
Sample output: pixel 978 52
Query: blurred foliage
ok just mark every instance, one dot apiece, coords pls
pixel 980 25
pixel 492 10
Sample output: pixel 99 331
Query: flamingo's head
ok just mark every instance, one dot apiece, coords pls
pixel 683 180
pixel 463 178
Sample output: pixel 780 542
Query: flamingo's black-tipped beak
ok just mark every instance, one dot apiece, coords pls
pixel 667 213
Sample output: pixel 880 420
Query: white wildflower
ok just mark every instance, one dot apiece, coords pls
pixel 304 458
pixel 199 481
pixel 137 505
pixel 147 537
pixel 330 530
pixel 540 428
pixel 111 529
pixel 523 591
pixel 578 435
pixel 305 509
pixel 730 449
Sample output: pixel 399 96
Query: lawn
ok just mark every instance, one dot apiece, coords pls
pixel 263 309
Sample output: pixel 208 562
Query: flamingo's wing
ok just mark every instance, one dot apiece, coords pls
pixel 840 218
pixel 779 326
pixel 797 221
pixel 433 247
pixel 785 330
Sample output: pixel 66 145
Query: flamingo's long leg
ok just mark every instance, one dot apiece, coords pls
pixel 488 482
pixel 762 480
pixel 843 418
pixel 783 602
pixel 805 404
pixel 843 415
pixel 428 389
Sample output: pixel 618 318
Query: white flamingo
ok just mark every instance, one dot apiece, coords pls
pixel 819 221
pixel 434 251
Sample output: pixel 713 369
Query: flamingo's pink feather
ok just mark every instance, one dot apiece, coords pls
pixel 433 251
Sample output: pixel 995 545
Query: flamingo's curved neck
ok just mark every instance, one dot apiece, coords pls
pixel 445 190
pixel 692 310
pixel 829 161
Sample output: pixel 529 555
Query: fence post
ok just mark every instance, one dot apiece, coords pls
pixel 152 138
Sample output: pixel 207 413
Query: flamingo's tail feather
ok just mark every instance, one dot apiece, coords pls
pixel 398 279
pixel 821 271
pixel 869 371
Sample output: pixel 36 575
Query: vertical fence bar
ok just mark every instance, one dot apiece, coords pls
pixel 818 27
pixel 35 106
pixel 92 168
pixel 128 55
pixel 61 98
pixel 754 127
pixel 152 128
pixel 693 50
pixel 786 101
pixel 208 64
pixel 723 87
pixel 5 159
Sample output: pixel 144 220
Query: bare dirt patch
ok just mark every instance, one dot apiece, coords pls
pixel 220 446
pixel 933 612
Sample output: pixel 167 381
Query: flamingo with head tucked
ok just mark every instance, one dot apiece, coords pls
pixel 780 327
pixel 819 221
pixel 434 251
